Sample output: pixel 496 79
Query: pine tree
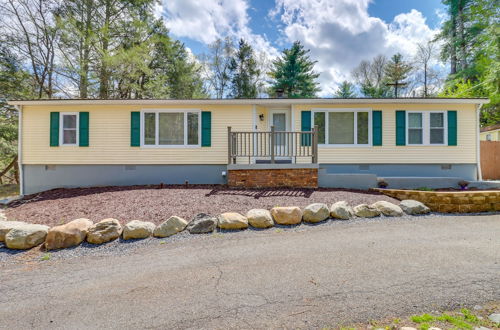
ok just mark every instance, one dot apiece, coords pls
pixel 396 71
pixel 345 91
pixel 293 73
pixel 471 44
pixel 244 72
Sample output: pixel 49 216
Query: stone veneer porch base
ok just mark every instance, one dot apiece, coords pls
pixel 451 202
pixel 273 176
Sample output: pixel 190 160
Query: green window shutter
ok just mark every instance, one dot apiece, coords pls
pixel 135 129
pixel 305 119
pixel 452 128
pixel 400 127
pixel 377 127
pixel 84 129
pixel 54 129
pixel 206 128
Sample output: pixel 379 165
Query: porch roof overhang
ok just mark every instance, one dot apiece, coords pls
pixel 259 101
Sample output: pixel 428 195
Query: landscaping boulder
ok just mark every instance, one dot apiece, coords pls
pixel 26 236
pixel 170 227
pixel 202 223
pixel 410 206
pixel 138 229
pixel 388 209
pixel 316 212
pixel 366 211
pixel 341 210
pixel 495 317
pixel 104 231
pixel 290 215
pixel 232 220
pixel 6 226
pixel 70 234
pixel 260 218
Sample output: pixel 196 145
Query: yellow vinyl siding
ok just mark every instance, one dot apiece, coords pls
pixel 262 125
pixel 109 135
pixel 389 153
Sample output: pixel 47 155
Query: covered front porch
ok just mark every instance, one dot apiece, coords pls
pixel 274 153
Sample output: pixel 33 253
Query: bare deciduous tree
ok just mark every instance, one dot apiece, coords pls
pixel 426 75
pixel 216 65
pixel 370 76
pixel 28 27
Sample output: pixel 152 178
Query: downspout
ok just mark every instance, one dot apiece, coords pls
pixel 20 149
pixel 478 143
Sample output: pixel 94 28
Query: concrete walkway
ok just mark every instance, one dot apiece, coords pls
pixel 319 277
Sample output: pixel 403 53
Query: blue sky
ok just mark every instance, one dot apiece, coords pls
pixel 339 33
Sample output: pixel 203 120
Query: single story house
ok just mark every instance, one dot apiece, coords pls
pixel 490 133
pixel 352 143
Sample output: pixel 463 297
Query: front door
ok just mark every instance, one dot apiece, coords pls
pixel 281 122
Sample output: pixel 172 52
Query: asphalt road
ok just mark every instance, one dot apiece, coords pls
pixel 318 277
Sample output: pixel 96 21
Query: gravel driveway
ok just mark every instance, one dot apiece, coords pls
pixel 151 203
pixel 307 277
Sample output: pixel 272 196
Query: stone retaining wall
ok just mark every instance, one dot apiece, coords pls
pixel 451 202
pixel 271 178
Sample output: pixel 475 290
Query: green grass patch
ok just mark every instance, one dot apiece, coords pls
pixel 45 257
pixel 424 189
pixel 467 320
pixel 422 318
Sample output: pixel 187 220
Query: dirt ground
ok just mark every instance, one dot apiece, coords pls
pixel 158 203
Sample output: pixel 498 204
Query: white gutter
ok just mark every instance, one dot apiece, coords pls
pixel 478 143
pixel 20 149
pixel 263 102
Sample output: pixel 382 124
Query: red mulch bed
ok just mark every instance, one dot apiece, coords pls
pixel 158 203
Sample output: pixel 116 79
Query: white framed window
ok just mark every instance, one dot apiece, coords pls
pixel 488 137
pixel 415 124
pixel 426 128
pixel 343 127
pixel 68 134
pixel 170 128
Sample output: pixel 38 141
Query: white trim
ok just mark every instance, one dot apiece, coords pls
pixel 478 143
pixel 61 129
pixel 20 149
pixel 157 131
pixel 262 101
pixel 355 111
pixel 426 128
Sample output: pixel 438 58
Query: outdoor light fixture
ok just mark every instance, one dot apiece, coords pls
pixel 261 117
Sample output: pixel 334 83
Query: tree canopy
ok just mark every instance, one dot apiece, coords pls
pixel 293 73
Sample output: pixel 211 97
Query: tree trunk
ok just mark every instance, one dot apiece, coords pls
pixel 461 34
pixel 425 80
pixel 453 49
pixel 84 75
pixel 104 72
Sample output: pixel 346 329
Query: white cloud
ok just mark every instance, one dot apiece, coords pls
pixel 341 33
pixel 207 20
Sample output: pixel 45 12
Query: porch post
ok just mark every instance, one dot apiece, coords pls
pixel 272 144
pixel 315 144
pixel 229 146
